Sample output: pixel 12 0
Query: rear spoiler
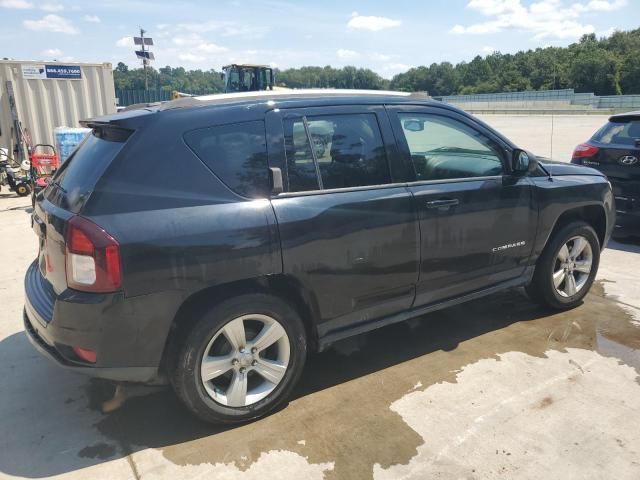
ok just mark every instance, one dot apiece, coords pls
pixel 624 117
pixel 107 130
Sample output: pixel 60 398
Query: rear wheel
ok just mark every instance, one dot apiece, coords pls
pixel 22 189
pixel 567 267
pixel 239 360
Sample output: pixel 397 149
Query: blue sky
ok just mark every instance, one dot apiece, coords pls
pixel 388 36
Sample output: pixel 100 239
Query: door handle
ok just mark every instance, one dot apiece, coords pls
pixel 443 203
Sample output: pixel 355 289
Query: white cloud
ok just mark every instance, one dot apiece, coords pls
pixel 608 32
pixel 488 49
pixel 226 29
pixel 18 4
pixel 213 48
pixel 344 54
pixel 379 57
pixel 544 18
pixel 187 39
pixel 52 7
pixel 125 42
pixel 51 23
pixel 52 52
pixel 191 58
pixel 390 69
pixel 373 24
pixel 91 18
pixel 601 6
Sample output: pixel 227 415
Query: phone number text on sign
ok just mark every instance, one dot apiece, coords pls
pixel 67 72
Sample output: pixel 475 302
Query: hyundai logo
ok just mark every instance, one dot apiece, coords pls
pixel 628 160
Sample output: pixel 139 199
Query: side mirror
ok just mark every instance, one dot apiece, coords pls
pixel 523 162
pixel 275 178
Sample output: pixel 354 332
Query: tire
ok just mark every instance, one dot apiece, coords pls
pixel 22 189
pixel 218 400
pixel 564 295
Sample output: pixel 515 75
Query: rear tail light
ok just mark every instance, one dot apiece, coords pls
pixel 584 150
pixel 92 257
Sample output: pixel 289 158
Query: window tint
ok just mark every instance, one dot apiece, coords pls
pixel 619 133
pixel 349 150
pixel 443 148
pixel 301 168
pixel 237 154
pixel 79 174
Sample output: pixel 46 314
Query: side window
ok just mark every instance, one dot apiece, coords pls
pixel 349 150
pixel 301 168
pixel 237 154
pixel 443 148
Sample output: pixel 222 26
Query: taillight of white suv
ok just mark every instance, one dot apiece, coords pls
pixel 92 257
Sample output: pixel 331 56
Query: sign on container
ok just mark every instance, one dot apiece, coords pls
pixel 52 72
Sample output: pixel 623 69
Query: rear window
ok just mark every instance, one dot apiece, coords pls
pixel 79 174
pixel 237 154
pixel 626 132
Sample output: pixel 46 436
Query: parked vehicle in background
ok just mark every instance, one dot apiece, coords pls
pixel 247 78
pixel 615 151
pixel 210 241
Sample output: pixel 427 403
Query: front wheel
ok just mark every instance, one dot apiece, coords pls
pixel 567 267
pixel 239 360
pixel 23 189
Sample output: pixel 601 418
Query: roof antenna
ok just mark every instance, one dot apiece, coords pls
pixel 551 154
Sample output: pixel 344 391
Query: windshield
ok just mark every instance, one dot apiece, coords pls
pixel 626 132
pixel 248 79
pixel 78 175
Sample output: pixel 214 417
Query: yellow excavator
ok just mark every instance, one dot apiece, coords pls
pixel 243 77
pixel 247 78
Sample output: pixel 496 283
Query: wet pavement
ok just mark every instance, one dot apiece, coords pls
pixel 495 388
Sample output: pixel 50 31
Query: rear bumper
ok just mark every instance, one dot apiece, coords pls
pixel 105 323
pixel 39 340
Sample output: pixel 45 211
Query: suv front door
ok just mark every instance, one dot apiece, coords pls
pixel 348 228
pixel 476 219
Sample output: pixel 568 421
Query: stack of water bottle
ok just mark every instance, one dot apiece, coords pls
pixel 67 139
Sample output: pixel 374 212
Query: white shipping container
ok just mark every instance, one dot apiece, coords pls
pixel 53 94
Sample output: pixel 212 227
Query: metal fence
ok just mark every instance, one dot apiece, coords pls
pixel 526 96
pixel 619 102
pixel 546 98
pixel 130 97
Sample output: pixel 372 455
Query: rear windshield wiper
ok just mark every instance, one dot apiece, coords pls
pixel 56 183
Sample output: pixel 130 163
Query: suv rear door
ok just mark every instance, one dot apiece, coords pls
pixel 347 224
pixel 476 220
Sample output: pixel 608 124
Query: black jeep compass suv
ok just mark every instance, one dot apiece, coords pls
pixel 214 241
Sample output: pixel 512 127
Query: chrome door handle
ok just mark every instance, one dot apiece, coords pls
pixel 443 202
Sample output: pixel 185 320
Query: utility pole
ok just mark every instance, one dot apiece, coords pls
pixel 144 60
pixel 144 53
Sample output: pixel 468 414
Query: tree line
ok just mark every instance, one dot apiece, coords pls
pixel 605 66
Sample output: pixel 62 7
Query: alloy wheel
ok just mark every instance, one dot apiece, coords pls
pixel 245 360
pixel 572 266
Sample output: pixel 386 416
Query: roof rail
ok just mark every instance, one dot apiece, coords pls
pixel 422 94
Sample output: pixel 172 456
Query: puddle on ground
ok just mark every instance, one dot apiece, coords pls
pixel 340 411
